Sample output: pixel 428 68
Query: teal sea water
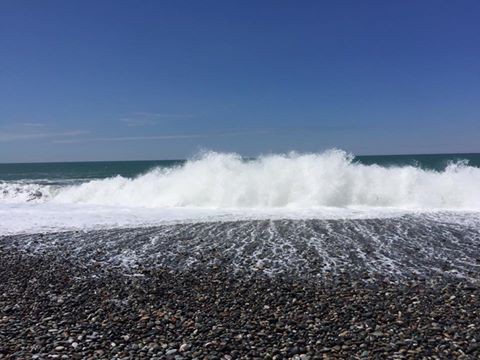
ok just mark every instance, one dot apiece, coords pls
pixel 82 171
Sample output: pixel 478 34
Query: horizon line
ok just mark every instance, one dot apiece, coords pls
pixel 245 157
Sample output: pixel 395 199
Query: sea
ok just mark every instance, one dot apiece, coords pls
pixel 311 213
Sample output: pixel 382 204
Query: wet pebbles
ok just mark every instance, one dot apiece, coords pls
pixel 54 306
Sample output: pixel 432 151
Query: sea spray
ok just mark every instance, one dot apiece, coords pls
pixel 329 179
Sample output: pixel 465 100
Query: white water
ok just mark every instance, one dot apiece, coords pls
pixel 215 185
pixel 328 179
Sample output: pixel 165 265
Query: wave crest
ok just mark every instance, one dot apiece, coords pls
pixel 329 179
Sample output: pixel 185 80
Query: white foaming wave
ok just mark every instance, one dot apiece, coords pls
pixel 22 192
pixel 292 181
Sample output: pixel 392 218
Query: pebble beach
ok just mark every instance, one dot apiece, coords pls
pixel 221 180
pixel 56 304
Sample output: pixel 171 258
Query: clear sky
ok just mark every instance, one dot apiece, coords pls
pixel 113 80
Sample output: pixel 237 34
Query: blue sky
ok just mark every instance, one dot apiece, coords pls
pixel 113 80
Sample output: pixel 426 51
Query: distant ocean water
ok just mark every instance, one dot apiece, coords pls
pixel 217 186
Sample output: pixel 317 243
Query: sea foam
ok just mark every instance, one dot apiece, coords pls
pixel 292 181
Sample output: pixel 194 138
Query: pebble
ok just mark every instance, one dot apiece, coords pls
pixel 184 347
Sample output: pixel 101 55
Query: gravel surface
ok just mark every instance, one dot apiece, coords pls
pixel 55 306
pixel 401 247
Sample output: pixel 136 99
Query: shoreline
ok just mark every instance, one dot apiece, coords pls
pixel 394 248
pixel 55 306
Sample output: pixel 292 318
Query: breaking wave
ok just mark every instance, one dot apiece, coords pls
pixel 24 192
pixel 219 180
